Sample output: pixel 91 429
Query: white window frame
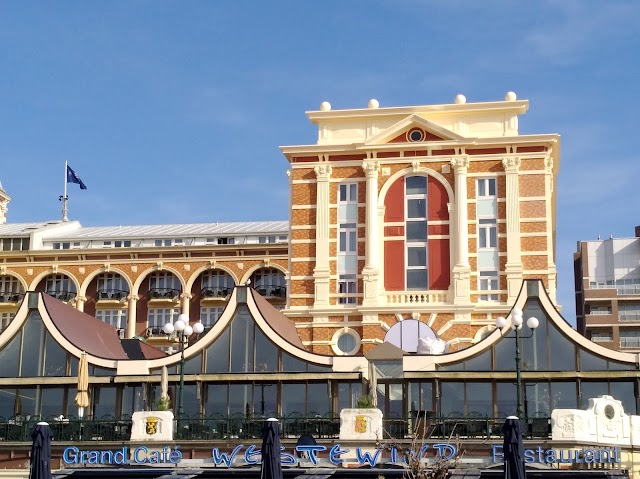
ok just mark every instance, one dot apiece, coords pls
pixel 486 282
pixel 114 317
pixel 487 226
pixel 5 319
pixel 9 284
pixel 486 184
pixel 216 279
pixel 209 315
pixel 341 332
pixel 348 192
pixel 347 288
pixel 158 317
pixel 414 243
pixel 164 280
pixel 59 283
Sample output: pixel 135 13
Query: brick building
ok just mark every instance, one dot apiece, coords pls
pixel 434 212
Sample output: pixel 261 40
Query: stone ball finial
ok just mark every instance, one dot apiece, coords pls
pixel 325 106
pixel 510 96
pixel 460 99
pixel 373 103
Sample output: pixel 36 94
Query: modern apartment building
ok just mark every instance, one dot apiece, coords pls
pixel 607 284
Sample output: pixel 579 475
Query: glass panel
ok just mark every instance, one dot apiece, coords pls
pixel 317 368
pixel 417 208
pixel 133 399
pixel 293 398
pixel 191 405
pixel 417 256
pixel 25 402
pixel 593 390
pixel 537 399
pixel 506 399
pixel 426 396
pixel 318 398
pixel 103 400
pixel 216 399
pixel 33 344
pixel 239 398
pixel 452 399
pixel 416 230
pixel 505 351
pixel 416 185
pixel 348 394
pixel 564 351
pixel 479 399
pixel 73 365
pixel 193 365
pixel 218 354
pixel 481 362
pixel 591 362
pixel 564 395
pixel 242 342
pixel 56 358
pixel 292 364
pixel 52 402
pixel 623 391
pixel 395 400
pixel 10 357
pixel 266 354
pixel 7 402
pixel 265 399
pixel 417 279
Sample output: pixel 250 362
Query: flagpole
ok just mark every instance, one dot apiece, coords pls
pixel 64 196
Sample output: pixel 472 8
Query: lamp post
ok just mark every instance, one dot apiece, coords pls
pixel 516 325
pixel 183 330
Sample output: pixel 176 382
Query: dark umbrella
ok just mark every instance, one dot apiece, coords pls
pixel 40 467
pixel 513 450
pixel 271 467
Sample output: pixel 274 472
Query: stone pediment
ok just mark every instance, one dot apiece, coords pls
pixel 398 133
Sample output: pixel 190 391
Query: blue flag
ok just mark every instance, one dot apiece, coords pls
pixel 72 177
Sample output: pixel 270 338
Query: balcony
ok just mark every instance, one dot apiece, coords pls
pixel 166 294
pixel 65 296
pixel 111 295
pixel 631 342
pixel 11 297
pixel 272 291
pixel 215 293
pixel 629 317
pixel 417 297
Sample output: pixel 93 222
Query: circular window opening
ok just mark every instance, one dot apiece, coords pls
pixel 347 342
pixel 416 135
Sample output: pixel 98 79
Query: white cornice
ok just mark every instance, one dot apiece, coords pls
pixel 513 107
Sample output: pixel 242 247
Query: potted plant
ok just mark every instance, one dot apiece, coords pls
pixel 365 402
pixel 163 404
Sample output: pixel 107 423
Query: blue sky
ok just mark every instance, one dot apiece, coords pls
pixel 173 111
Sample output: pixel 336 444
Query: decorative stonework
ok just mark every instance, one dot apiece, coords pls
pixel 460 165
pixel 152 426
pixel 371 168
pixel 416 166
pixel 360 424
pixel 511 164
pixel 323 172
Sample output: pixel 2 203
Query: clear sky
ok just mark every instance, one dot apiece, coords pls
pixel 173 111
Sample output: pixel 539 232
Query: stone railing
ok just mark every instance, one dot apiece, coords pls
pixel 417 297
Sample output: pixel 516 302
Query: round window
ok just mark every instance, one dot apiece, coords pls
pixel 609 412
pixel 415 135
pixel 346 341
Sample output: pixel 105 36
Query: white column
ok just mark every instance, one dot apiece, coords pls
pixel 461 269
pixel 372 238
pixel 184 303
pixel 513 267
pixel 131 316
pixel 80 300
pixel 321 272
pixel 551 264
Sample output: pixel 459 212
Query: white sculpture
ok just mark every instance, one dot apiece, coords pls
pixel 431 346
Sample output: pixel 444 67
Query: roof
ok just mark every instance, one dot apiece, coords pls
pixel 173 230
pixel 20 229
pixel 92 335
pixel 276 320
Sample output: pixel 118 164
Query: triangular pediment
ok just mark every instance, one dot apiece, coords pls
pixel 396 133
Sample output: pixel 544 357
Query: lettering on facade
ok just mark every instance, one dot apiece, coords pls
pixel 564 456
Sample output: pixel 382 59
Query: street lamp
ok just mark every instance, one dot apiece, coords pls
pixel 183 330
pixel 516 325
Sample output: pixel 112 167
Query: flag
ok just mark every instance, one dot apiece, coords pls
pixel 72 177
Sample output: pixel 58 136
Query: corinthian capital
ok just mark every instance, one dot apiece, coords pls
pixel 371 168
pixel 323 172
pixel 511 165
pixel 460 165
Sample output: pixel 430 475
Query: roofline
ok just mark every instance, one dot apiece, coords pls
pixel 517 107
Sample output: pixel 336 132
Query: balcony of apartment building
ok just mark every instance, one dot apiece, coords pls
pixel 627 287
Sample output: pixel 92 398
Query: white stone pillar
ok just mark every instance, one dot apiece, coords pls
pixel 321 272
pixel 513 267
pixel 461 269
pixel 80 300
pixel 551 263
pixel 131 316
pixel 184 303
pixel 372 238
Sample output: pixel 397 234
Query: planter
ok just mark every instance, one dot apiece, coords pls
pixel 361 424
pixel 152 426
